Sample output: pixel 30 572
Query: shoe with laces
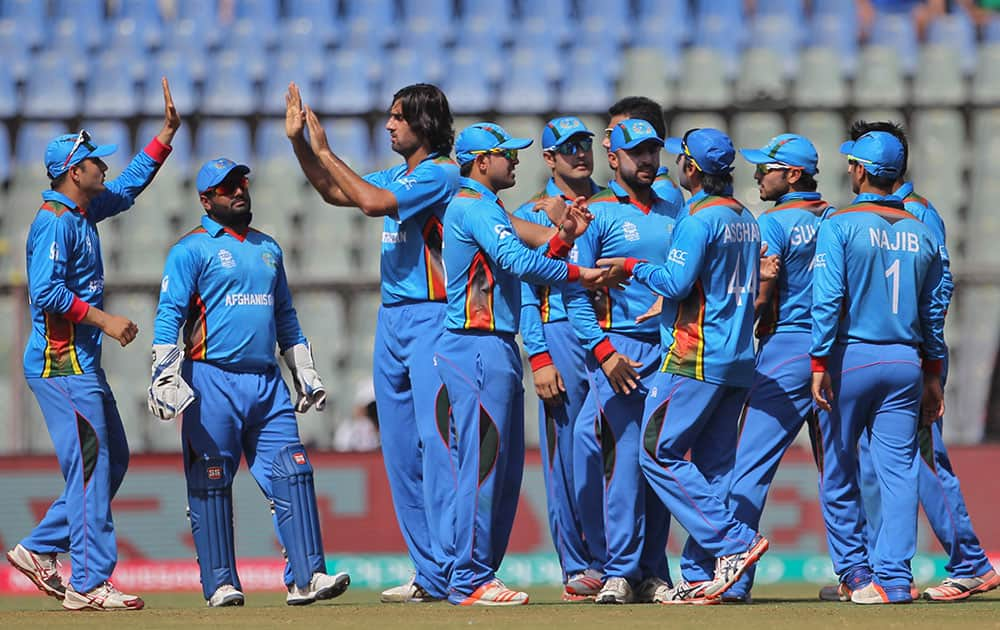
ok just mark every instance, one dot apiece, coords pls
pixel 321 586
pixel 729 569
pixel 874 593
pixel 646 591
pixel 495 593
pixel 103 597
pixel 854 579
pixel 225 595
pixel 616 590
pixel 957 589
pixel 584 585
pixel 408 593
pixel 685 593
pixel 41 568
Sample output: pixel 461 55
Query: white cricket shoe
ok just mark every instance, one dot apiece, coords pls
pixel 321 586
pixel 729 569
pixel 225 595
pixel 495 593
pixel 584 585
pixel 685 593
pixel 41 568
pixel 103 597
pixel 616 590
pixel 408 593
pixel 645 593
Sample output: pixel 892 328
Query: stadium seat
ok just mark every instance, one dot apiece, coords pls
pixel 531 170
pixel 363 314
pixel 704 82
pixel 896 31
pixel 29 149
pixel 467 82
pixel 780 32
pixel 956 30
pixel 347 87
pixel 370 17
pixel 302 38
pixel 826 130
pixel 831 31
pixel 86 18
pixel 752 130
pixel 222 138
pixel 525 90
pixel 719 25
pixel 189 45
pixel 761 77
pixel 820 79
pixel 324 251
pixel 112 92
pixel 284 69
pixel 611 18
pixel 681 123
pixel 970 378
pixel 179 162
pixel 406 66
pixel 589 91
pixel 879 81
pixel 175 67
pixel 986 81
pixel 985 145
pixel 937 158
pixel 554 18
pixel 30 18
pixel 939 81
pixel 13 49
pixel 50 92
pixel 6 155
pixel 794 9
pixel 644 71
pixel 324 322
pixel 143 235
pixel 8 93
pixel 249 41
pixel 229 89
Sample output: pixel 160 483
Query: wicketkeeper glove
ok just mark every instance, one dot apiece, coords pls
pixel 308 386
pixel 168 394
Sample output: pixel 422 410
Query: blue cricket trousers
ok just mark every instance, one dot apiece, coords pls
pixel 413 423
pixel 482 374
pixel 89 438
pixel 877 390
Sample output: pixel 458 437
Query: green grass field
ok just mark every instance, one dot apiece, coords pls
pixel 781 606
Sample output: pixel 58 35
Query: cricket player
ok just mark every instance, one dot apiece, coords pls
pixel 877 328
pixel 224 282
pixel 709 284
pixel 410 199
pixel 62 363
pixel 969 569
pixel 780 399
pixel 558 360
pixel 479 361
pixel 622 357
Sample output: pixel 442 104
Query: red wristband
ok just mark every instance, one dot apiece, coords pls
pixel 818 364
pixel 157 150
pixel 572 272
pixel 630 264
pixel 603 350
pixel 558 248
pixel 540 360
pixel 77 310
pixel 932 366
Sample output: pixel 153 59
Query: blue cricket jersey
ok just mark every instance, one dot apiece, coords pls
pixel 66 272
pixel 876 279
pixel 485 261
pixel 709 280
pixel 541 304
pixel 924 210
pixel 667 190
pixel 621 227
pixel 230 293
pixel 789 230
pixel 411 240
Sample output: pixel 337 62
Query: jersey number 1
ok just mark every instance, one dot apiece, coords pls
pixel 893 272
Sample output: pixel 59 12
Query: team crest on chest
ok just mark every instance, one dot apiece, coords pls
pixel 269 260
pixel 631 231
pixel 226 259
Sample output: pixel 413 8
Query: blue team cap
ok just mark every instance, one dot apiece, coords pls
pixel 559 130
pixel 72 148
pixel 484 137
pixel 711 150
pixel 632 132
pixel 214 171
pixel 881 153
pixel 789 149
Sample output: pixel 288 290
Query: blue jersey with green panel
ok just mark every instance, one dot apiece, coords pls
pixel 621 227
pixel 710 281
pixel 924 210
pixel 485 262
pixel 541 304
pixel 877 279
pixel 66 271
pixel 411 240
pixel 789 231
pixel 230 293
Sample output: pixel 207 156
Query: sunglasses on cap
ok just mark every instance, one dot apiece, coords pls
pixel 687 152
pixel 764 169
pixel 228 189
pixel 510 154
pixel 570 147
pixel 82 140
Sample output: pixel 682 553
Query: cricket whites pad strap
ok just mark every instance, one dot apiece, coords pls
pixel 293 499
pixel 210 510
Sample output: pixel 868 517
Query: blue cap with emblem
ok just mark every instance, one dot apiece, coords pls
pixel 559 130
pixel 214 171
pixel 72 148
pixel 710 149
pixel 789 149
pixel 632 132
pixel 485 137
pixel 879 152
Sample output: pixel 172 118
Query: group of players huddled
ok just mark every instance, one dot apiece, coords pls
pixel 637 309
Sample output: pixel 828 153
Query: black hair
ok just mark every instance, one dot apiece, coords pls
pixel 425 108
pixel 466 169
pixel 642 108
pixel 806 183
pixel 861 127
pixel 717 184
pixel 56 182
pixel 880 182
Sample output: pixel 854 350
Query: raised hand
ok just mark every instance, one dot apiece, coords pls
pixel 295 117
pixel 317 135
pixel 171 119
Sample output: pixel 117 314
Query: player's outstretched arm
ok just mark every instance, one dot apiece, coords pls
pixel 171 119
pixel 309 162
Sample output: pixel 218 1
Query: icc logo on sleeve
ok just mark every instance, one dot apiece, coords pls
pixel 164 284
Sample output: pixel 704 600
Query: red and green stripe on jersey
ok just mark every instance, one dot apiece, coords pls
pixel 60 347
pixel 479 295
pixel 686 355
pixel 196 330
pixel 433 233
